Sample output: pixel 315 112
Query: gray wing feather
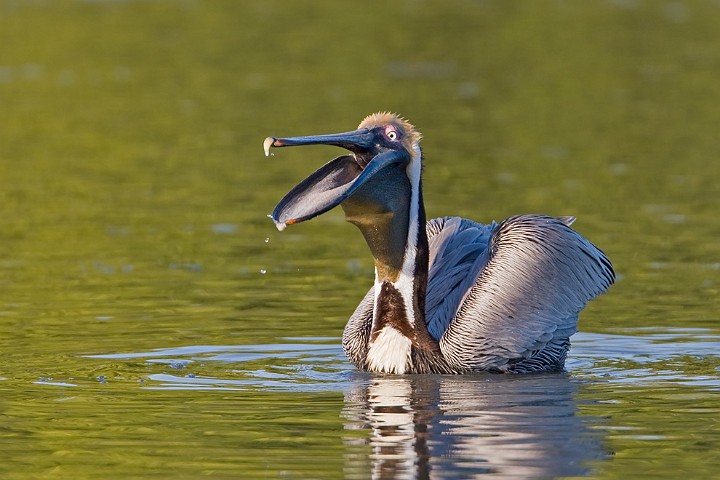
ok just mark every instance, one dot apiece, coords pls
pixel 536 276
pixel 357 331
pixel 456 255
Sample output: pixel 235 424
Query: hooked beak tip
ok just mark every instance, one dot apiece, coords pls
pixel 269 142
pixel 281 225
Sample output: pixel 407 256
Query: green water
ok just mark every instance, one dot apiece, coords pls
pixel 154 324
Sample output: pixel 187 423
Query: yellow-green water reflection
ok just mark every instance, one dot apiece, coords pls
pixel 133 194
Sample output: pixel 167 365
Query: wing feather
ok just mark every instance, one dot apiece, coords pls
pixel 537 275
pixel 457 248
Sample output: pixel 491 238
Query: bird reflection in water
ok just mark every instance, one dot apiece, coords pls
pixel 464 427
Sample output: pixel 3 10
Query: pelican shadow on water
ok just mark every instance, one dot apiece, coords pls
pixel 450 295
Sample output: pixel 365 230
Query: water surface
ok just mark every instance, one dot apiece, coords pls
pixel 153 323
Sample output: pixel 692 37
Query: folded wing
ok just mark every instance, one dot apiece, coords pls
pixel 531 281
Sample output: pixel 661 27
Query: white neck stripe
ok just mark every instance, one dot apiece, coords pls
pixel 405 284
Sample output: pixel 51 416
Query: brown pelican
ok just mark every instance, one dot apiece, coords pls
pixel 450 295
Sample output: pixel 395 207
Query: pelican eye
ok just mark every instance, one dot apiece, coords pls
pixel 391 135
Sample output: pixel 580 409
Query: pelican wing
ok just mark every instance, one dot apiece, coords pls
pixel 526 290
pixel 457 248
pixel 357 331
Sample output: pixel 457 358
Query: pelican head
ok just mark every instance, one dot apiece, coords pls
pixel 382 141
pixel 378 186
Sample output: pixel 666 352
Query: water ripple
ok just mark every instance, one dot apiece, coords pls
pixel 315 364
